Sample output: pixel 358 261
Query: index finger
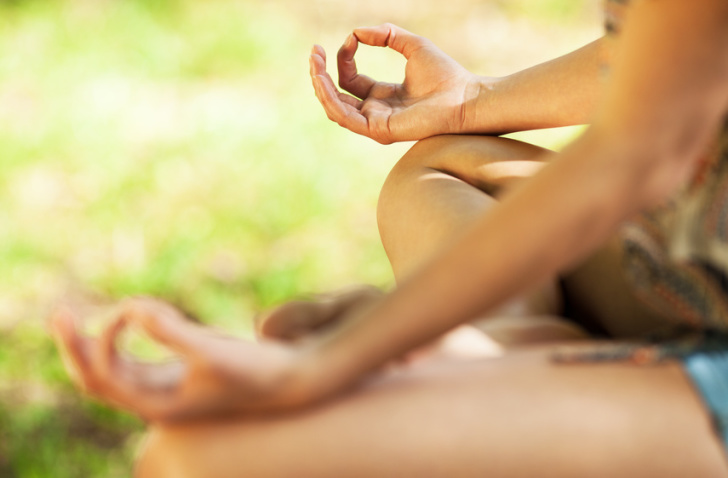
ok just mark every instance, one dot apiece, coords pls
pixel 392 36
pixel 349 78
pixel 164 323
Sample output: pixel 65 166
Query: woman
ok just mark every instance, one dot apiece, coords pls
pixel 643 187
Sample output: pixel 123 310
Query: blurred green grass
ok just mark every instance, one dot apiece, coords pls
pixel 175 148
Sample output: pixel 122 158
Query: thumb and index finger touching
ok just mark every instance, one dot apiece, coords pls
pixel 392 36
pixel 385 35
pixel 162 322
pixel 93 362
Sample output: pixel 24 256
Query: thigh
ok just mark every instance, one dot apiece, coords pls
pixel 518 416
pixel 440 187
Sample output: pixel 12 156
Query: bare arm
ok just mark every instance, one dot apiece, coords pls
pixel 438 96
pixel 664 103
pixel 560 92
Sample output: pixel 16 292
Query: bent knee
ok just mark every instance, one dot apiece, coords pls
pixel 434 152
pixel 426 156
pixel 455 152
pixel 485 162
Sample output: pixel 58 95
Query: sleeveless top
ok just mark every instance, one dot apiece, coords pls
pixel 675 258
pixel 676 255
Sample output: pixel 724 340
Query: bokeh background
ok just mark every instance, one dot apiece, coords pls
pixel 175 148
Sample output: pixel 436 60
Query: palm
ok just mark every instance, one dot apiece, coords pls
pixel 428 102
pixel 229 374
pixel 213 373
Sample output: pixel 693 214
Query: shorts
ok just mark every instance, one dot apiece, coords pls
pixel 708 369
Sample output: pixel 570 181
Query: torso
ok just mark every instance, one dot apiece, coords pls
pixel 675 257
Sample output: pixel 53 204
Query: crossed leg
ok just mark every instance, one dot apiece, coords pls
pixel 519 415
pixel 436 191
pixel 440 187
pixel 445 183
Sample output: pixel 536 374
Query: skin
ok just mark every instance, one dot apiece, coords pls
pixel 326 380
pixel 518 416
pixel 438 96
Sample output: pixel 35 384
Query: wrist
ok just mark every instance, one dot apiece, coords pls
pixel 295 384
pixel 306 380
pixel 327 361
pixel 326 365
pixel 479 112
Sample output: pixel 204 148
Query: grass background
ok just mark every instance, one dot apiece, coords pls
pixel 175 148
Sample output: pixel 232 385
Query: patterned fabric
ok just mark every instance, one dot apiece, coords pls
pixel 652 350
pixel 676 255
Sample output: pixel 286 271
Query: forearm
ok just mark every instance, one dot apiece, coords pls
pixel 560 92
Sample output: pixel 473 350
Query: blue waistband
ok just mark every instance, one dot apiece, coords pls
pixel 708 370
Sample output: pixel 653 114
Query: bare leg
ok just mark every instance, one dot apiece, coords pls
pixel 518 416
pixel 436 190
pixel 444 183
pixel 440 187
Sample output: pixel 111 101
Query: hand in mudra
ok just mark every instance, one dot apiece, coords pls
pixel 435 98
pixel 213 373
